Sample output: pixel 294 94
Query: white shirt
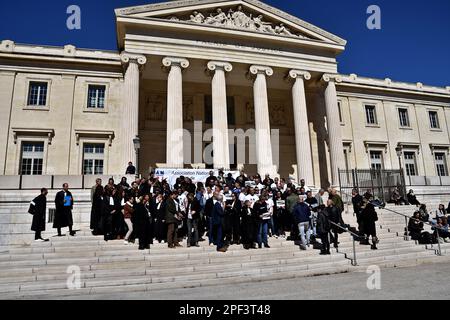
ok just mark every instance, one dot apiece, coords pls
pixel 252 198
pixel 242 197
pixel 270 205
pixel 182 198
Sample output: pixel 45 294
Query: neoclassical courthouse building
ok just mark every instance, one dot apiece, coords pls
pixel 237 64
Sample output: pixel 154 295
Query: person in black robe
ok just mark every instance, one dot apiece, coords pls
pixel 235 219
pixel 97 211
pixel 248 226
pixel 158 210
pixel 38 207
pixel 63 213
pixel 369 217
pixel 142 223
pixel 209 206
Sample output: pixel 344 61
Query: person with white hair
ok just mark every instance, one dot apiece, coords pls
pixel 302 217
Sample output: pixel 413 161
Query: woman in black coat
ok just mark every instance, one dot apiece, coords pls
pixel 248 226
pixel 38 207
pixel 109 210
pixel 97 211
pixel 158 210
pixel 142 223
pixel 369 217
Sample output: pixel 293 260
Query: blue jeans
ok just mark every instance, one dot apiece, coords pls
pixel 305 232
pixel 262 232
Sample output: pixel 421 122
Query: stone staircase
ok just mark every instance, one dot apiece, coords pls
pixel 40 270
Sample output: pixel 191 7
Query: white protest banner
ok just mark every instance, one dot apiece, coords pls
pixel 196 175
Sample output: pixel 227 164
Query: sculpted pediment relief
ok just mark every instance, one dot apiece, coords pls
pixel 238 15
pixel 237 18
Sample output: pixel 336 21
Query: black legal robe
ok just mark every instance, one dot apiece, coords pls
pixel 96 214
pixel 38 208
pixel 142 224
pixel 63 214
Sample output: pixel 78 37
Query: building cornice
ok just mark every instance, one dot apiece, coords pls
pixel 388 85
pixel 67 53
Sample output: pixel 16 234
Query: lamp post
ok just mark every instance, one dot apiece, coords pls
pixel 399 151
pixel 137 146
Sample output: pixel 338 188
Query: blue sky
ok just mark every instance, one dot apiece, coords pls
pixel 413 44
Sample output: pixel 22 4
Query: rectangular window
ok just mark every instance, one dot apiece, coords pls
pixel 404 117
pixel 37 93
pixel 340 112
pixel 230 110
pixel 410 164
pixel 93 158
pixel 434 119
pixel 32 158
pixel 441 164
pixel 371 115
pixel 376 160
pixel 96 97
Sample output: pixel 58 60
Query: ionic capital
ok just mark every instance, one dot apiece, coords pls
pixel 127 58
pixel 294 74
pixel 327 77
pixel 214 65
pixel 255 69
pixel 168 62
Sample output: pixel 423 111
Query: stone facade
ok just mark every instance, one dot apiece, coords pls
pixel 177 59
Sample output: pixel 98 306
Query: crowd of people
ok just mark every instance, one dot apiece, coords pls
pixel 224 211
pixel 221 210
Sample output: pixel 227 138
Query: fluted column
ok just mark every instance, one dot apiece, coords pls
pixel 130 125
pixel 262 122
pixel 220 114
pixel 302 139
pixel 334 127
pixel 174 142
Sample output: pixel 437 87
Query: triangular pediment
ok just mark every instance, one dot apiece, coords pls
pixel 241 15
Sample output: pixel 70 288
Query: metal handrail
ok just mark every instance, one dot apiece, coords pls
pixel 407 218
pixel 353 261
pixel 406 237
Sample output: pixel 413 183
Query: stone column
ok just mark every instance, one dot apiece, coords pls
pixel 220 114
pixel 174 142
pixel 302 138
pixel 130 125
pixel 262 122
pixel 333 127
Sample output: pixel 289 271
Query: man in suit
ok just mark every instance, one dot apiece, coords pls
pixel 209 207
pixel 217 223
pixel 38 207
pixel 172 219
pixel 63 213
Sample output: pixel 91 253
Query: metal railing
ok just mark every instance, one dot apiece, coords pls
pixel 354 235
pixel 407 218
pixel 406 236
